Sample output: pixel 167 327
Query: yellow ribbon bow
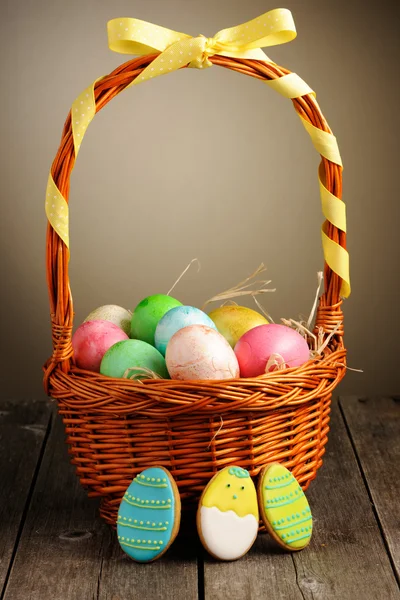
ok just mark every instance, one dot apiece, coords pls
pixel 132 36
pixel 177 50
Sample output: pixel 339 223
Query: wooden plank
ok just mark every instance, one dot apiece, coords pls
pixel 346 558
pixel 265 572
pixel 23 427
pixel 66 551
pixel 173 577
pixel 374 425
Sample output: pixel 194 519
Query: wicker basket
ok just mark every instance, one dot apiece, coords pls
pixel 115 428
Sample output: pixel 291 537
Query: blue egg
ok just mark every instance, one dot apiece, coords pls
pixel 175 319
pixel 149 515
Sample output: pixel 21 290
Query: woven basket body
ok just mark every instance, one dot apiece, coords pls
pixel 115 428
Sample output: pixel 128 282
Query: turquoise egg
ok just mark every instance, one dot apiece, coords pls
pixel 147 314
pixel 176 319
pixel 149 515
pixel 129 354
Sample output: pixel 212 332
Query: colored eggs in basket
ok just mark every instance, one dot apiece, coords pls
pixel 200 352
pixel 147 314
pixel 234 321
pixel 113 313
pixel 256 347
pixel 175 319
pixel 131 358
pixel 91 341
pixel 227 516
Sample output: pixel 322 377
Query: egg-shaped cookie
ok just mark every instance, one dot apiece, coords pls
pixel 284 507
pixel 227 515
pixel 149 515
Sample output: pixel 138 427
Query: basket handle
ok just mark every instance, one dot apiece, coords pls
pixel 329 313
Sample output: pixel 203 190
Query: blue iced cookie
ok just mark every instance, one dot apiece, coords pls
pixel 149 515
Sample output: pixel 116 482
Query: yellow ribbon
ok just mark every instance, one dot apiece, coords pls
pixel 132 36
pixel 177 50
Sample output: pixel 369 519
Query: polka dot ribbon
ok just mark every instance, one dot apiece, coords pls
pixel 177 50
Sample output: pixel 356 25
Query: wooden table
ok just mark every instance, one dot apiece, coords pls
pixel 54 546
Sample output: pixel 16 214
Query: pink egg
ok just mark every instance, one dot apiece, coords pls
pixel 255 347
pixel 91 341
pixel 200 352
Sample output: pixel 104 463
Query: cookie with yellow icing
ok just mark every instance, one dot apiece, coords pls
pixel 284 508
pixel 227 516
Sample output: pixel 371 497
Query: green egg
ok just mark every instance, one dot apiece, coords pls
pixel 132 353
pixel 147 314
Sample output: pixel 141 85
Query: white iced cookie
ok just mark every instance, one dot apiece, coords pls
pixel 227 516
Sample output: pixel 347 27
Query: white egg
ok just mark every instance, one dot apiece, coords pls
pixel 113 313
pixel 198 352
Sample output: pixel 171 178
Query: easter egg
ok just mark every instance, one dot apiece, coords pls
pixel 113 313
pixel 234 321
pixel 149 515
pixel 284 507
pixel 255 348
pixel 126 355
pixel 227 516
pixel 200 352
pixel 175 319
pixel 91 341
pixel 147 314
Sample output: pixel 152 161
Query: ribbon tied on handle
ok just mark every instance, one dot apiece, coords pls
pixel 177 50
pixel 132 36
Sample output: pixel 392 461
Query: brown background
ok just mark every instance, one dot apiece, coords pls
pixel 199 164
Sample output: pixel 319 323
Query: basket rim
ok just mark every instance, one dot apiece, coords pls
pixel 169 399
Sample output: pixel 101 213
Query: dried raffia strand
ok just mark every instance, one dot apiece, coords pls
pixel 276 361
pixel 262 309
pixel 302 329
pixel 242 288
pixel 321 348
pixel 141 373
pixel 350 368
pixel 216 433
pixel 185 271
pixel 320 277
